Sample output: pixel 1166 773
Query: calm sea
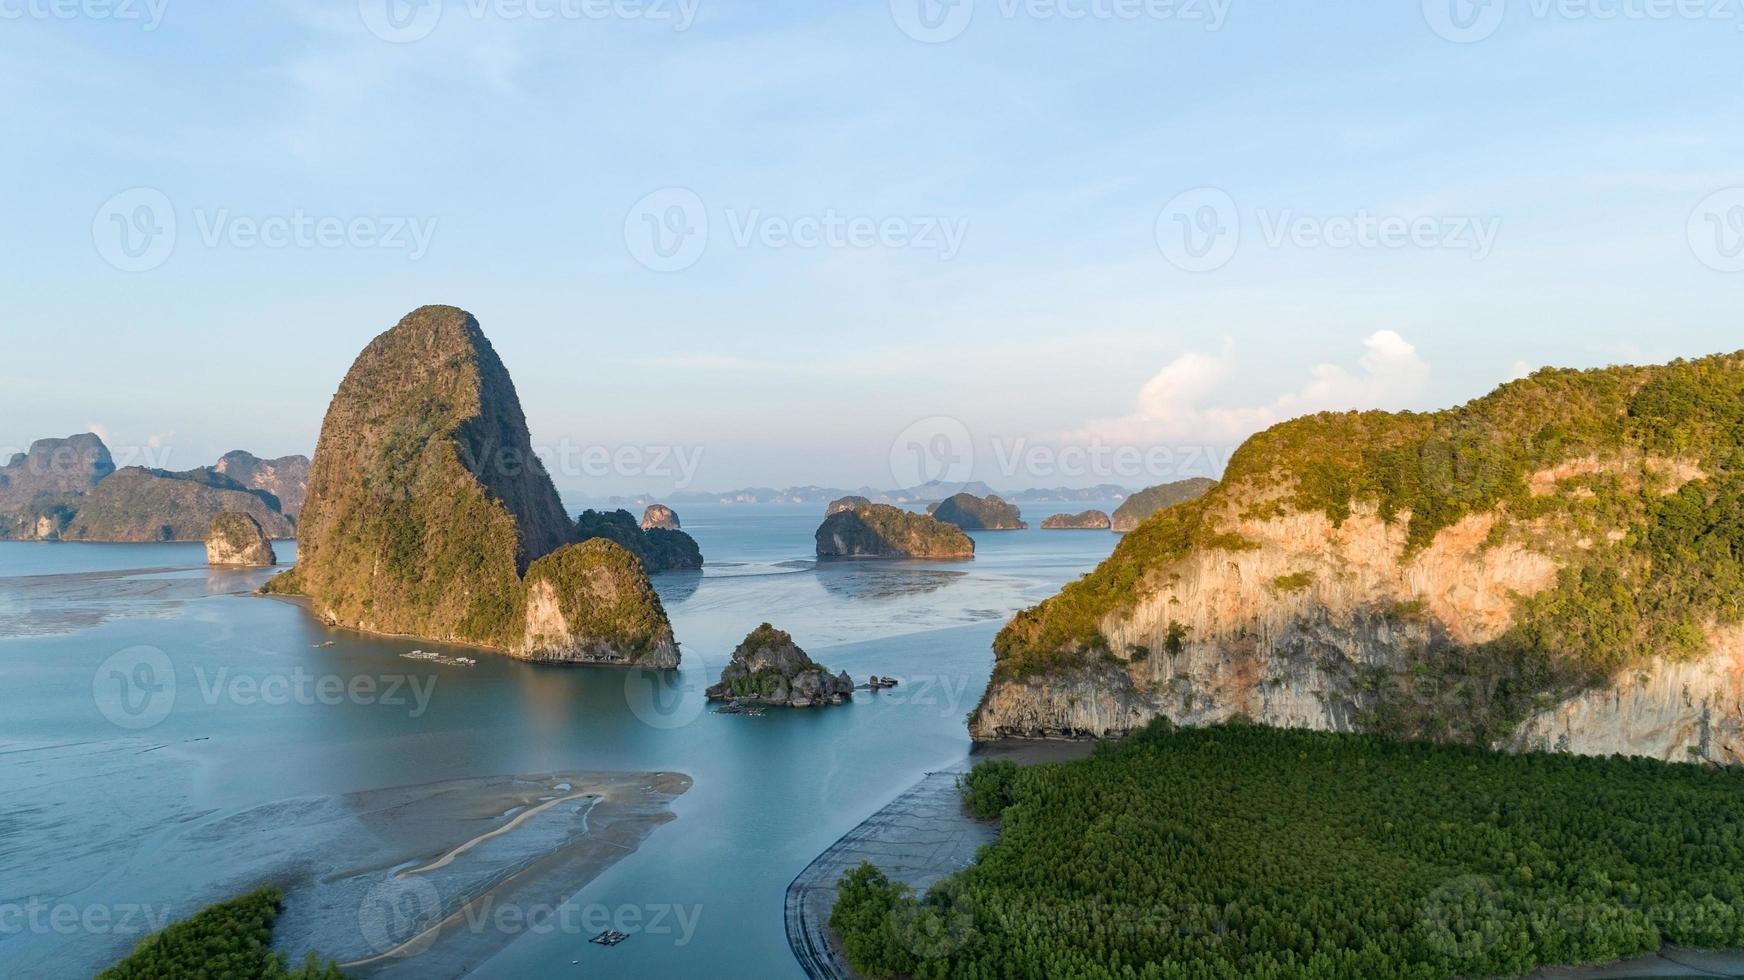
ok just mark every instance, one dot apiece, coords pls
pixel 117 805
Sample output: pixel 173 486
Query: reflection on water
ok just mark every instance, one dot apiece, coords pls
pixel 99 814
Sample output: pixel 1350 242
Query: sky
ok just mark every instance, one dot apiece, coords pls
pixel 725 243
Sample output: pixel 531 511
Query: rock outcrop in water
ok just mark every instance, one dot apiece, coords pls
pixel 1551 566
pixel 236 538
pixel 769 668
pixel 426 507
pixel 883 531
pixel 661 549
pixel 1090 520
pixel 972 513
pixel 660 517
pixel 1148 501
pixel 846 503
pixel 286 477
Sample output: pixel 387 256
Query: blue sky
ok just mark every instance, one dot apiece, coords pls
pixel 1020 241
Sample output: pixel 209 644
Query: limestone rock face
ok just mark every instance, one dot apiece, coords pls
pixel 54 466
pixel 1148 501
pixel 972 513
pixel 591 603
pixel 235 538
pixel 286 477
pixel 1090 520
pixel 660 516
pixel 769 668
pixel 1538 525
pixel 883 531
pixel 426 505
pixel 137 504
pixel 846 503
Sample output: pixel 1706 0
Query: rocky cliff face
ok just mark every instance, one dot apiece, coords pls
pixel 53 467
pixel 1557 581
pixel 660 516
pixel 137 504
pixel 769 668
pixel 972 513
pixel 883 531
pixel 426 504
pixel 236 538
pixel 286 477
pixel 1090 520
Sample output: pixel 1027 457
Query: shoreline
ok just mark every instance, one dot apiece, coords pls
pixel 921 835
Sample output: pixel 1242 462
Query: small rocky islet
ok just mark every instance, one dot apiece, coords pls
pixel 883 531
pixel 972 513
pixel 768 668
pixel 1089 520
pixel 237 539
pixel 661 548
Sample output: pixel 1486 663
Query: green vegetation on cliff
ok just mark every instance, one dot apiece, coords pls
pixel 661 549
pixel 1640 500
pixel 604 596
pixel 228 940
pixel 426 502
pixel 972 513
pixel 883 531
pixel 1244 851
pixel 1148 501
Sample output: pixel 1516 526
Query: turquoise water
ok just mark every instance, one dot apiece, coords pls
pixel 119 802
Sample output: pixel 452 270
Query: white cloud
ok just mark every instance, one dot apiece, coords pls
pixel 1182 402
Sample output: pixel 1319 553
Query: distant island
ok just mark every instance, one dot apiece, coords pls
pixel 661 548
pixel 1090 520
pixel 883 531
pixel 429 515
pixel 236 538
pixel 1152 499
pixel 972 513
pixel 70 490
pixel 925 493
